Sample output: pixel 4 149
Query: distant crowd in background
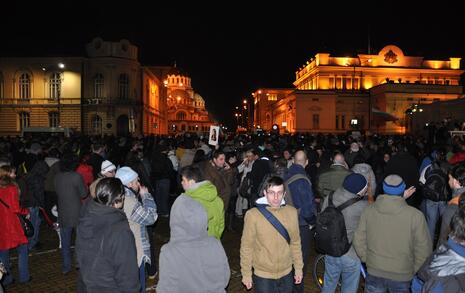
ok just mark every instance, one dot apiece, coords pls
pixel 398 200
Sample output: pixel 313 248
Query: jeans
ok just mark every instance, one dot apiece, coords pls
pixel 152 266
pixel 35 220
pixel 282 285
pixel 23 264
pixel 344 267
pixel 66 234
pixel 305 239
pixel 433 210
pixel 381 285
pixel 162 196
pixel 142 277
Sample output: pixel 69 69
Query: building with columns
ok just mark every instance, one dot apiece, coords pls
pixel 368 92
pixel 106 92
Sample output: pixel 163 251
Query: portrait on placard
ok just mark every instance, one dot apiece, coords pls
pixel 214 133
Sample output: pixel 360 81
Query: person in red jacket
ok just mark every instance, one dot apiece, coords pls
pixel 85 170
pixel 11 232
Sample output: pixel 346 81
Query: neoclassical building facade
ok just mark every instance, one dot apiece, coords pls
pixel 369 92
pixel 106 92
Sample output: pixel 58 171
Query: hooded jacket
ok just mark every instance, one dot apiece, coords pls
pixel 191 261
pixel 106 251
pixel 444 271
pixel 392 238
pixel 205 193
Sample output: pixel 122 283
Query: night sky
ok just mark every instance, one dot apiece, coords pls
pixel 230 49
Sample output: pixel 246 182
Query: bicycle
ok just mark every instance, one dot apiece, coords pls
pixel 319 272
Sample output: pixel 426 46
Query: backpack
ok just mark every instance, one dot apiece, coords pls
pixel 330 229
pixel 436 183
pixel 288 197
pixel 245 189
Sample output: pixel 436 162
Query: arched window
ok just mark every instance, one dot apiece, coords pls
pixel 123 86
pixel 54 119
pixel 181 116
pixel 55 86
pixel 98 85
pixel 24 120
pixel 24 86
pixel 96 124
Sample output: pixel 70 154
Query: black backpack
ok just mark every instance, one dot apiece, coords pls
pixel 436 185
pixel 330 232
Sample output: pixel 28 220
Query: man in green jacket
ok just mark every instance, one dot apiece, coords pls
pixel 392 238
pixel 332 179
pixel 206 194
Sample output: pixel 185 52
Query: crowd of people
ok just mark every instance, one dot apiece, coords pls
pixel 399 198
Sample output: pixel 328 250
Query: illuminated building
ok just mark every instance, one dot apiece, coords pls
pixel 186 110
pixel 369 92
pixel 107 92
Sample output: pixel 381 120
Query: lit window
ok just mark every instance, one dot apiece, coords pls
pixel 272 97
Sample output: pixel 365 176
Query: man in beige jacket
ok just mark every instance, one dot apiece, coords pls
pixel 265 250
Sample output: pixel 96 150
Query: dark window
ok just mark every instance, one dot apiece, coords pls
pixel 316 121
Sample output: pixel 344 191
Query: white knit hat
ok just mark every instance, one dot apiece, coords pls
pixel 107 166
pixel 126 175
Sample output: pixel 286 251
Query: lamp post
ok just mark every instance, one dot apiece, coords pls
pixel 244 112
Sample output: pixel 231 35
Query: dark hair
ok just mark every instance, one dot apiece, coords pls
pixel 69 162
pixel 108 191
pixel 457 226
pixel 458 172
pixel 192 172
pixel 217 153
pixel 199 156
pixel 273 181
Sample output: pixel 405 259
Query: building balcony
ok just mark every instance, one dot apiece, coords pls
pixel 15 102
pixel 110 102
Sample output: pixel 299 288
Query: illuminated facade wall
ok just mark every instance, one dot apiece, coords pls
pixel 42 92
pixel 370 89
pixel 108 92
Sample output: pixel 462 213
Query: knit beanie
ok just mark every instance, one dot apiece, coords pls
pixel 107 166
pixel 354 183
pixel 394 185
pixel 126 175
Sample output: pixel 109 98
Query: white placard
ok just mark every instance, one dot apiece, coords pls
pixel 213 136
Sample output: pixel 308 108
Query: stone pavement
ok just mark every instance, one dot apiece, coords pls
pixel 45 264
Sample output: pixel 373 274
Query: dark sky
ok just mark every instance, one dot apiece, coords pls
pixel 232 49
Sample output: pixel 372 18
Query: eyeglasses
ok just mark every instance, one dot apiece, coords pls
pixel 272 193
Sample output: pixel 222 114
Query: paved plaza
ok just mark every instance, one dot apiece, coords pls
pixel 45 264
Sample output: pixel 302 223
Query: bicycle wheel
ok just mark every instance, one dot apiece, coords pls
pixel 319 270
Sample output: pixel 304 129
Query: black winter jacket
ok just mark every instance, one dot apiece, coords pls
pixel 106 250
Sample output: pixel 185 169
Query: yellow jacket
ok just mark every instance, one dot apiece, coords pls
pixel 264 249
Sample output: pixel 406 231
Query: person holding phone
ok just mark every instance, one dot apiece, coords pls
pixel 141 210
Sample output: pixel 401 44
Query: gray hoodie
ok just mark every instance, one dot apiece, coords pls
pixel 192 261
